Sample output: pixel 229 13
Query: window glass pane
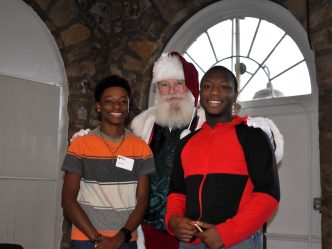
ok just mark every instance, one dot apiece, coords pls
pixel 286 55
pixel 248 27
pixel 294 82
pixel 202 53
pixel 258 81
pixel 228 63
pixel 267 38
pixel 221 38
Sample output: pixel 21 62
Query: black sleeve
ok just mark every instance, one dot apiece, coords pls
pixel 261 163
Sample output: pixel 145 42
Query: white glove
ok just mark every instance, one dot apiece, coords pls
pixel 82 132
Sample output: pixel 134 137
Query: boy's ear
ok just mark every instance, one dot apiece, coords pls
pixel 98 107
pixel 235 96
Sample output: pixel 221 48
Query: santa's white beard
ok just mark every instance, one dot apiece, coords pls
pixel 171 115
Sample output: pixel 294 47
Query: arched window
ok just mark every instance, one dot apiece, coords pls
pixel 265 59
pixel 260 41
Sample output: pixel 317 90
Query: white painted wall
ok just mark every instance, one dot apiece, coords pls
pixel 33 129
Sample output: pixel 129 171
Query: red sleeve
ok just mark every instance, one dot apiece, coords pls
pixel 175 206
pixel 248 220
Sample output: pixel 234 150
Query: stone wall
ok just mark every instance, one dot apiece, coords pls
pixel 99 37
pixel 321 37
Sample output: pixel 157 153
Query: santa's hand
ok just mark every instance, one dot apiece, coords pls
pixel 82 132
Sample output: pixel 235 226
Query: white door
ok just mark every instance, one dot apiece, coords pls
pixel 295 224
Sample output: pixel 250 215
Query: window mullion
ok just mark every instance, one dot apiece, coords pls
pixel 254 38
pixel 296 64
pixel 191 58
pixel 212 47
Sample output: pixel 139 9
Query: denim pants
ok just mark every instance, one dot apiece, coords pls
pixel 253 242
pixel 87 244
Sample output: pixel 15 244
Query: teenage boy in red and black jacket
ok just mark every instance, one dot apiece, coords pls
pixel 224 178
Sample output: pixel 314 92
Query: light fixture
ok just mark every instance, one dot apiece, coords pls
pixel 268 92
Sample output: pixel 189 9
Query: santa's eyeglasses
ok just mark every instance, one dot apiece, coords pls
pixel 164 85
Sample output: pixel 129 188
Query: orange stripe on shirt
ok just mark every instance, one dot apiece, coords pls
pixel 97 148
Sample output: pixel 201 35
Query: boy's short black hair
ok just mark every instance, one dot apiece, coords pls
pixel 226 71
pixel 110 81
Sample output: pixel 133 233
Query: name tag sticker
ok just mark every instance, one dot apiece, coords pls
pixel 124 163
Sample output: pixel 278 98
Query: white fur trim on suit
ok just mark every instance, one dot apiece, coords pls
pixel 81 132
pixel 278 139
pixel 269 127
pixel 201 115
pixel 140 238
pixel 143 123
pixel 167 68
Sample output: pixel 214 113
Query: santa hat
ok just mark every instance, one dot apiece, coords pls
pixel 172 66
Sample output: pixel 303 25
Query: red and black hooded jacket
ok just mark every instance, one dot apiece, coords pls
pixel 226 176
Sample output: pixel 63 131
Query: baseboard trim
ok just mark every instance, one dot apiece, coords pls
pixel 293 237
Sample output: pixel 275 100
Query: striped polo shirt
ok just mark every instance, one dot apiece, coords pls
pixel 107 192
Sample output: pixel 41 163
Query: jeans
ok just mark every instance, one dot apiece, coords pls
pixel 87 244
pixel 253 242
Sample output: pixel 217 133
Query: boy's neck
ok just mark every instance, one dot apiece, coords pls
pixel 113 131
pixel 213 120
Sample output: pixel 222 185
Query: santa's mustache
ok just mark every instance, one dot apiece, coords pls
pixel 171 96
pixel 174 114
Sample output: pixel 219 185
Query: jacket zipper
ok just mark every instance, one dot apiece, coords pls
pixel 200 197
